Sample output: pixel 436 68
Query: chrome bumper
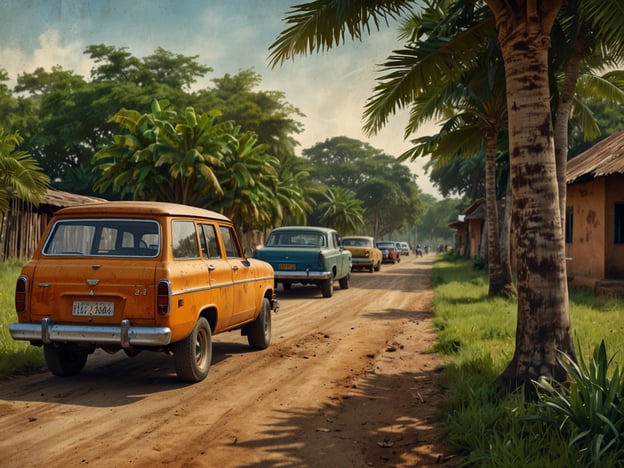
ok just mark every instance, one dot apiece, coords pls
pixel 302 275
pixel 124 335
pixel 356 262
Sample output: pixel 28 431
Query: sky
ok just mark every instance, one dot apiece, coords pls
pixel 329 88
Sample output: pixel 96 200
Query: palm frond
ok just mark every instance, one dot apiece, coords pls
pixel 412 70
pixel 320 25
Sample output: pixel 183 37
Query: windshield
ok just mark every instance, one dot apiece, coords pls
pixel 104 237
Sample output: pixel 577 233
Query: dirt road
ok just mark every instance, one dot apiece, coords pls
pixel 345 383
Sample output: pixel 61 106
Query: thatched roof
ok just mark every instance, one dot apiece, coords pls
pixel 63 199
pixel 604 158
pixel 477 210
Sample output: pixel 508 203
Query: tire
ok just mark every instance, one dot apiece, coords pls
pixel 65 359
pixel 327 287
pixel 378 267
pixel 259 331
pixel 193 355
pixel 344 282
pixel 371 268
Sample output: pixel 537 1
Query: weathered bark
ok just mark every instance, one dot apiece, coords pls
pixel 501 283
pixel 543 325
pixel 505 237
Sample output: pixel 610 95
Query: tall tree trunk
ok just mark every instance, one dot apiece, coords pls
pixel 505 237
pixel 501 283
pixel 562 116
pixel 543 325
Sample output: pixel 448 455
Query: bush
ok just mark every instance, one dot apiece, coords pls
pixel 589 408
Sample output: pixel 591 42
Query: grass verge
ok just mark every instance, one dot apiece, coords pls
pixel 16 357
pixel 477 333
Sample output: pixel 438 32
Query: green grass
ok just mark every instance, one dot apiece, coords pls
pixel 16 357
pixel 478 336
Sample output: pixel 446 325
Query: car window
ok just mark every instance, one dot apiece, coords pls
pixel 208 241
pixel 296 238
pixel 104 237
pixel 229 241
pixel 184 239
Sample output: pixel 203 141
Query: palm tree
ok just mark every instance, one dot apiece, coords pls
pixel 246 178
pixel 341 210
pixel 164 156
pixel 20 174
pixel 523 32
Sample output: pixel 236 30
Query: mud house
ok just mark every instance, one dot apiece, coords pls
pixel 470 230
pixel 595 217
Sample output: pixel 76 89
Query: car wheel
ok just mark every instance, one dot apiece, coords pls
pixel 65 359
pixel 344 282
pixel 327 287
pixel 378 267
pixel 371 268
pixel 193 355
pixel 259 331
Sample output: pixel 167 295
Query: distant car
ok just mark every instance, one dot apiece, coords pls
pixel 307 255
pixel 365 255
pixel 390 252
pixel 405 249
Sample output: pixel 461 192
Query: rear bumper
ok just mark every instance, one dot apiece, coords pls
pixel 124 335
pixel 362 262
pixel 294 275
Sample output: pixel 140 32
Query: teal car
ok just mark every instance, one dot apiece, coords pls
pixel 307 255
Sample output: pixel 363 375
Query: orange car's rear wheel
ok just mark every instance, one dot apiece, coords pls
pixel 193 355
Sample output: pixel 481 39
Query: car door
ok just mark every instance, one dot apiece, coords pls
pixel 219 273
pixel 343 265
pixel 245 292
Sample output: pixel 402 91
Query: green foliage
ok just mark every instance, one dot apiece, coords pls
pixel 385 188
pixel 480 263
pixel 341 210
pixel 20 174
pixel 495 430
pixel 589 409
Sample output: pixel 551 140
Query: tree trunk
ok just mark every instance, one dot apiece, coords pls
pixel 543 325
pixel 500 283
pixel 562 117
pixel 505 237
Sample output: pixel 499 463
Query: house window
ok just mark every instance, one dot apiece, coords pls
pixel 618 238
pixel 569 223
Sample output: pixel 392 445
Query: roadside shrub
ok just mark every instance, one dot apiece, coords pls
pixel 588 409
pixel 480 263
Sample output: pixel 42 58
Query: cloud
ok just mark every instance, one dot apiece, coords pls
pixel 50 52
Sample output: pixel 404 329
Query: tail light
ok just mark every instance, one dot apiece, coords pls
pixel 163 298
pixel 20 294
pixel 367 254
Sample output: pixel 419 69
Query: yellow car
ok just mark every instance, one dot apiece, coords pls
pixel 366 255
pixel 139 276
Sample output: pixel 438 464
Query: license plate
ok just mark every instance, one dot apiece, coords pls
pixel 286 266
pixel 89 308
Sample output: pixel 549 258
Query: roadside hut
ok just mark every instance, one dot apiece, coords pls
pixel 595 217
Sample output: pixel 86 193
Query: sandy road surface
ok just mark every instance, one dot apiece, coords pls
pixel 345 383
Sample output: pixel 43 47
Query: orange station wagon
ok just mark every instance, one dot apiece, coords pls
pixel 141 276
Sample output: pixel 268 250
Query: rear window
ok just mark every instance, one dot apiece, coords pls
pixel 113 237
pixel 299 239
